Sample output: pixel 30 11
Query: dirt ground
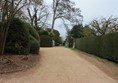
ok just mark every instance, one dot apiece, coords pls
pixel 15 63
pixel 108 67
pixel 60 65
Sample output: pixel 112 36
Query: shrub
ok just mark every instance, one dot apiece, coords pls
pixel 18 40
pixel 52 35
pixel 34 38
pixel 32 31
pixel 43 32
pixel 34 49
pixel 104 46
pixel 46 41
pixel 22 38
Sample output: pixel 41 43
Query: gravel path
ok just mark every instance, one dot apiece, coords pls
pixel 59 65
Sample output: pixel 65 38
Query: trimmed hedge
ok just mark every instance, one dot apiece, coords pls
pixel 18 41
pixel 46 41
pixel 34 39
pixel 43 32
pixel 35 45
pixel 22 38
pixel 103 46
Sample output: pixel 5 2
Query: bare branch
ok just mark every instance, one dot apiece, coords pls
pixel 105 26
pixel 64 9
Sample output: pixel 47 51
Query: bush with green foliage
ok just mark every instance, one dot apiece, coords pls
pixel 55 35
pixel 45 41
pixel 18 40
pixel 103 46
pixel 22 38
pixel 34 38
pixel 52 35
pixel 35 45
pixel 32 31
pixel 43 32
pixel 77 31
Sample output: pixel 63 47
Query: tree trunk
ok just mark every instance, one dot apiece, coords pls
pixel 1 44
pixel 53 21
pixel 52 25
pixel 3 37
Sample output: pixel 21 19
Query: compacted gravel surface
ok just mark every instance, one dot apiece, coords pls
pixel 59 65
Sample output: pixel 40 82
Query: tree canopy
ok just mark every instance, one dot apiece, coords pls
pixel 77 31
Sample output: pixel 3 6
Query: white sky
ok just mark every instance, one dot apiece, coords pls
pixel 91 9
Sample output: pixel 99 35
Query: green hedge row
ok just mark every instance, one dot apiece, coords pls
pixel 104 46
pixel 46 41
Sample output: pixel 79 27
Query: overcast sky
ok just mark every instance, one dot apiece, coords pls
pixel 91 9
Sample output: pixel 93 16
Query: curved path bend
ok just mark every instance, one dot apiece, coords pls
pixel 59 65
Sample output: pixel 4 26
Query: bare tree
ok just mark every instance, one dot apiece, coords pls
pixel 87 31
pixel 104 25
pixel 65 10
pixel 67 29
pixel 38 14
pixel 8 10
